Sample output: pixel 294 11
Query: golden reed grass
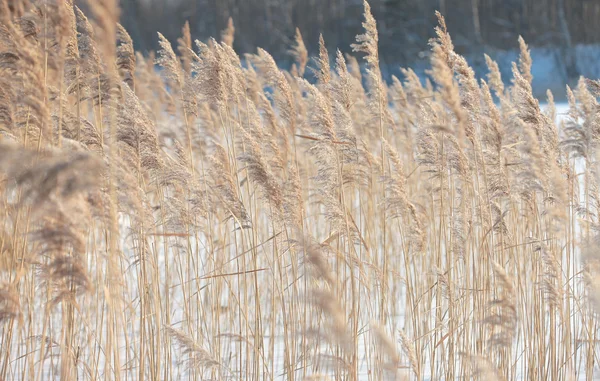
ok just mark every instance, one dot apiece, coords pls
pixel 222 218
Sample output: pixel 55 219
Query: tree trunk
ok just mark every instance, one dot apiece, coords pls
pixel 476 24
pixel 566 46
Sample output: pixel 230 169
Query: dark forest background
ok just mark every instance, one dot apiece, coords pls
pixel 405 26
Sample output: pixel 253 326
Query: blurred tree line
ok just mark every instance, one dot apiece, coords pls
pixel 405 25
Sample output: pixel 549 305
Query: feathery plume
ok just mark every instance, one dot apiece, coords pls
pixel 198 357
pixel 168 60
pixel 494 77
pixel 283 97
pixel 300 53
pixel 525 60
pixel 323 71
pixel 503 318
pixel 106 17
pixel 367 42
pixel 125 56
pixel 225 187
pixel 228 34
pixel 410 351
pixel 184 47
pixel 10 305
pixel 90 60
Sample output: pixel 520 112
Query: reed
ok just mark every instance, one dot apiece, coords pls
pixel 224 218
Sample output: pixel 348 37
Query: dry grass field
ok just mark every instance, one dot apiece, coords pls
pixel 220 218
